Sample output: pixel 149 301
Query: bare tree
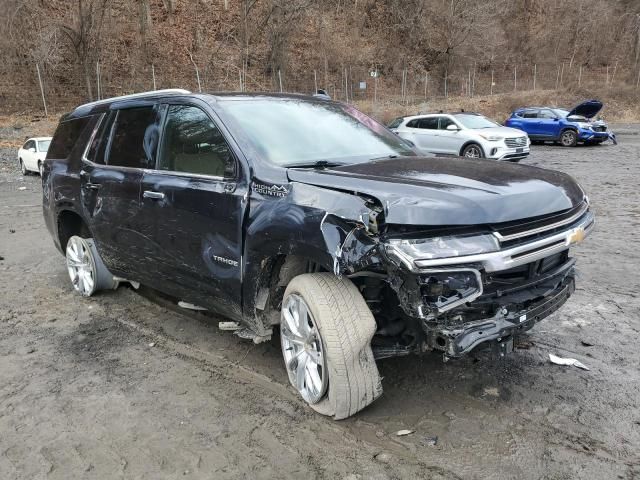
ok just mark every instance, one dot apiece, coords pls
pixel 83 29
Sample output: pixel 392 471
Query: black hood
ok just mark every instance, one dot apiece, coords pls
pixel 588 109
pixel 451 191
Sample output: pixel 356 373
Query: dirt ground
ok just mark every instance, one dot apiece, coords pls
pixel 123 385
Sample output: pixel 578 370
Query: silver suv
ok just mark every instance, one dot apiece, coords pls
pixel 464 134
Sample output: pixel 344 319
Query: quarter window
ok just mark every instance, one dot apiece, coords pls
pixel 135 137
pixel 192 143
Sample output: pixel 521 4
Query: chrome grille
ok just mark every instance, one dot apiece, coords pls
pixel 515 142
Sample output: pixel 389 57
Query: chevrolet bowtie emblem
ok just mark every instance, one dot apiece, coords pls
pixel 577 236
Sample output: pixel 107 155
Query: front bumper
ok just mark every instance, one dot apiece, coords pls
pixel 508 154
pixel 588 135
pixel 457 341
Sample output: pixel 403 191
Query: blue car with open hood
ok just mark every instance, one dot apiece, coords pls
pixel 567 127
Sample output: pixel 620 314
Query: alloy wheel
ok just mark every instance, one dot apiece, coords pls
pixel 81 267
pixel 472 151
pixel 303 351
pixel 567 138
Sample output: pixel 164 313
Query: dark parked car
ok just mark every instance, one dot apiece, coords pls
pixel 289 212
pixel 567 127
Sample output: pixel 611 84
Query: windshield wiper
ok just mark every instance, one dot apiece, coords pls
pixel 317 164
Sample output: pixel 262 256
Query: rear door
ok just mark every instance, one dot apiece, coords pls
pixel 30 157
pixel 124 143
pixel 193 204
pixel 529 121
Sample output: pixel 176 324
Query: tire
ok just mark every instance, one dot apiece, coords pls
pixel 40 168
pixel 23 168
pixel 568 138
pixel 473 150
pixel 86 270
pixel 337 346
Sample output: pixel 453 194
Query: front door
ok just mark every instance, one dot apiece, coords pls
pixel 449 140
pixel 122 146
pixel 193 203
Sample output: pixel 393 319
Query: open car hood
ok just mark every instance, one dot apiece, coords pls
pixel 588 109
pixel 451 191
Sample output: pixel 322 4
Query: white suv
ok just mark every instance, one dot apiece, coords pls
pixel 464 134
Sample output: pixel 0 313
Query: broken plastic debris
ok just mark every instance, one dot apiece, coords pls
pixel 430 441
pixel 567 361
pixel 402 433
pixel 152 344
pixel 190 306
pixel 22 188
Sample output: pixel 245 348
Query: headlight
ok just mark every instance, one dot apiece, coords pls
pixel 586 126
pixel 408 250
pixel 491 138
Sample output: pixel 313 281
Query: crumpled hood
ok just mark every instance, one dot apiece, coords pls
pixel 451 191
pixel 588 109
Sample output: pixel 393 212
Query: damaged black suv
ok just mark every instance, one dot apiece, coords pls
pixel 306 215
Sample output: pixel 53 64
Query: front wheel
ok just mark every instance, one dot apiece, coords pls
pixel 568 138
pixel 40 168
pixel 473 151
pixel 23 168
pixel 326 329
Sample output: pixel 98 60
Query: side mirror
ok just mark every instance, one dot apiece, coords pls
pixel 32 150
pixel 452 128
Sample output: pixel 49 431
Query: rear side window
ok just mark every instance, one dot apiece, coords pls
pixel 530 114
pixel 66 137
pixel 134 139
pixel 430 123
pixel 192 143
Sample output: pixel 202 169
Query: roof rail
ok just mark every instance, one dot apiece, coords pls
pixel 152 93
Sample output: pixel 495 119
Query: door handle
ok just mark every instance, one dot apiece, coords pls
pixel 153 195
pixel 92 186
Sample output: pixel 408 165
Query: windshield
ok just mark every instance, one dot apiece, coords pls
pixel 288 132
pixel 560 112
pixel 43 145
pixel 475 121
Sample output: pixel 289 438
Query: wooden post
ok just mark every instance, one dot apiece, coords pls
pixel 535 74
pixel 153 75
pixel 98 78
pixel 561 74
pixel 606 83
pixel 558 77
pixel 613 75
pixel 445 85
pixel 315 82
pixel 515 78
pixel 580 75
pixel 426 85
pixel 280 80
pixel 240 79
pixel 469 84
pixel 44 102
pixel 491 87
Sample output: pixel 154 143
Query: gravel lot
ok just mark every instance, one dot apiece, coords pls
pixel 123 385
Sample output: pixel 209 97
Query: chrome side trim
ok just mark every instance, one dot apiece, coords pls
pixel 520 255
pixel 566 221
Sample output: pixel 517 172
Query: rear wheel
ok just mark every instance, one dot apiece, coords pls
pixel 568 138
pixel 326 330
pixel 473 151
pixel 87 272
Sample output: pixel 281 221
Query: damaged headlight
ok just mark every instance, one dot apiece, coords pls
pixel 442 290
pixel 408 250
